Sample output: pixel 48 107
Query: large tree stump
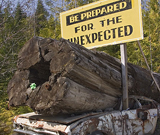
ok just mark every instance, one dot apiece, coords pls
pixel 72 79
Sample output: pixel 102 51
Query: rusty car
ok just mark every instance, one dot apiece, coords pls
pixel 139 119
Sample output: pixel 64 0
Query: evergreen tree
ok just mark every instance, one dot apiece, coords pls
pixel 41 17
pixel 52 29
pixel 13 34
pixel 77 3
pixel 19 15
pixel 150 44
pixel 1 17
pixel 154 32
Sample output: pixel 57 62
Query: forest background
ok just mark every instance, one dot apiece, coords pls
pixel 22 19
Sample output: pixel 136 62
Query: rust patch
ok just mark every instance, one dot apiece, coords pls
pixel 15 118
pixel 48 87
pixel 61 128
pixel 40 125
pixel 91 126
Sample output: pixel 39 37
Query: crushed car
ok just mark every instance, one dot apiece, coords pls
pixel 139 119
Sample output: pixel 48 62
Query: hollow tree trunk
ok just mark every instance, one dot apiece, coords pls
pixel 72 79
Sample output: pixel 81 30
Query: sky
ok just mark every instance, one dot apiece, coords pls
pixel 31 6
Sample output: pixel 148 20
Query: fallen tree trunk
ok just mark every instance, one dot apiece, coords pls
pixel 72 79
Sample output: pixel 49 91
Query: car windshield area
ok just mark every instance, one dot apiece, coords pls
pixel 135 103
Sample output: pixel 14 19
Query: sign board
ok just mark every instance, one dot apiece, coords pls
pixel 103 23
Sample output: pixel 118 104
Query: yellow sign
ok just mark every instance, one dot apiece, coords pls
pixel 103 23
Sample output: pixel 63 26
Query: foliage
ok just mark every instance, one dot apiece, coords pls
pixel 41 17
pixel 52 29
pixel 7 114
pixel 77 3
pixel 13 35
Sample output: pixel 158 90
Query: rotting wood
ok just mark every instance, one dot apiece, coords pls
pixel 69 97
pixel 89 77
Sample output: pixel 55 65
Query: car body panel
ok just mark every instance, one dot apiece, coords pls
pixel 139 119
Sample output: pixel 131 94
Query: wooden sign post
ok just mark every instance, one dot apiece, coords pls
pixel 123 48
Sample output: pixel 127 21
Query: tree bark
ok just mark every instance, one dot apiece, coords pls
pixel 72 79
